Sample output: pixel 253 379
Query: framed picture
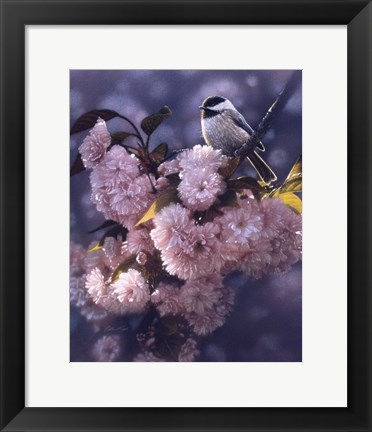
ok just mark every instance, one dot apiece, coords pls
pixel 163 263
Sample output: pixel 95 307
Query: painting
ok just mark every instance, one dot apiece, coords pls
pixel 186 216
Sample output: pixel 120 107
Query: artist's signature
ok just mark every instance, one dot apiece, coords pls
pixel 111 329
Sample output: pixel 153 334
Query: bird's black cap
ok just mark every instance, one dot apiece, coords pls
pixel 213 101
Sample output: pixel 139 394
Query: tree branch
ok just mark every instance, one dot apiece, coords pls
pixel 265 123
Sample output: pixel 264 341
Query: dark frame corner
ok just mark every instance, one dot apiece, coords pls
pixel 15 15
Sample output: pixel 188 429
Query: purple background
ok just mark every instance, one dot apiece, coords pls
pixel 266 324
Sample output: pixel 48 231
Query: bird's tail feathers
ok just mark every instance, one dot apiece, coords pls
pixel 266 174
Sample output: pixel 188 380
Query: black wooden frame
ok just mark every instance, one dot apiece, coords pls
pixel 15 15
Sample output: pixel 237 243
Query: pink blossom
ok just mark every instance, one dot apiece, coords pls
pixel 100 196
pixel 166 298
pixel 114 252
pixel 95 258
pixel 77 257
pixel 96 285
pixel 161 184
pixel 78 295
pixel 118 166
pixel 238 225
pixel 102 293
pixel 226 302
pixel 197 252
pixel 276 215
pixel 199 188
pixel 283 228
pixel 169 167
pixel 188 351
pixel 138 240
pixel 255 258
pixel 205 323
pixel 201 157
pixel 80 298
pixel 170 225
pixel 108 257
pixel 132 290
pixel 130 200
pixel 126 199
pixel 211 306
pixel 107 348
pixel 200 295
pixel 94 146
pixel 286 251
pixel 112 176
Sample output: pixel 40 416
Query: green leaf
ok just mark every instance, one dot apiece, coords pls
pixel 113 232
pixel 150 123
pixel 159 153
pixel 207 216
pixel 119 137
pixel 240 183
pixel 291 200
pixel 123 267
pixel 244 183
pixel 105 224
pixel 89 119
pixel 228 170
pixel 161 202
pixel 228 199
pixel 77 166
pixel 174 179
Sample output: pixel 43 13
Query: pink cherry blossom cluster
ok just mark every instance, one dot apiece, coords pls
pixel 119 190
pixel 175 262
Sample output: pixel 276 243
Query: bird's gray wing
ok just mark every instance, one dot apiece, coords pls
pixel 240 121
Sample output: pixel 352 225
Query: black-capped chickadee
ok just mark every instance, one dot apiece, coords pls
pixel 225 128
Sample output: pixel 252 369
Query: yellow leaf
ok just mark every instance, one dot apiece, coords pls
pixel 292 185
pixel 296 169
pixel 95 248
pixel 292 201
pixel 293 182
pixel 123 267
pixel 157 205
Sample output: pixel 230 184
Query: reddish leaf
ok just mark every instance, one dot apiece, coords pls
pixel 159 153
pixel 229 169
pixel 150 123
pixel 89 119
pixel 119 137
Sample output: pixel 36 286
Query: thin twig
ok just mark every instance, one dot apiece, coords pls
pixel 263 127
pixel 147 142
pixel 135 128
pixel 174 153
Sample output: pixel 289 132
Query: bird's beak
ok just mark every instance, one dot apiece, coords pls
pixel 201 107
